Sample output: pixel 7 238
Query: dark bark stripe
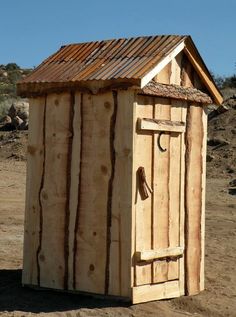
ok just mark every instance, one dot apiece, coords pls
pixel 110 189
pixel 79 194
pixel 39 196
pixel 68 187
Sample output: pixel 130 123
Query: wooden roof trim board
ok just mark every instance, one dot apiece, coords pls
pixel 160 65
pixel 199 65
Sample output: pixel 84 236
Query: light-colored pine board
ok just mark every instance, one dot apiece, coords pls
pixel 35 159
pixel 74 186
pixel 164 75
pixel 174 189
pixel 204 151
pixel 161 192
pixel 182 204
pixel 134 194
pixel 193 197
pixel 143 157
pixel 175 75
pixel 187 73
pixel 145 293
pixel 120 249
pixel 148 255
pixel 161 125
pixel 53 196
pixel 91 253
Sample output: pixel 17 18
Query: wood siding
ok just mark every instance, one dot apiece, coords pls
pixel 77 227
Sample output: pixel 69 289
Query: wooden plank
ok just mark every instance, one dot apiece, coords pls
pixel 203 199
pixel 134 194
pixel 120 249
pixel 193 198
pixel 146 293
pixel 175 74
pixel 74 187
pixel 174 189
pixel 97 115
pixel 35 161
pixel 161 192
pixel 143 157
pixel 148 255
pixel 182 204
pixel 161 64
pixel 54 193
pixel 161 125
pixel 164 75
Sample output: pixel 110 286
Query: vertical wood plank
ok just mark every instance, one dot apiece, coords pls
pixel 120 249
pixel 193 197
pixel 96 171
pixel 143 157
pixel 35 161
pixel 74 187
pixel 182 204
pixel 174 171
pixel 161 192
pixel 174 189
pixel 54 194
pixel 204 151
pixel 163 76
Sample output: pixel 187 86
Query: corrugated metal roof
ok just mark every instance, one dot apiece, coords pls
pixel 112 59
pixel 175 92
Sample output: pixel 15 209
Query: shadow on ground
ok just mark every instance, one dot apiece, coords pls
pixel 15 297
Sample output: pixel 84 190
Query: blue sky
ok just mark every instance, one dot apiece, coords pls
pixel 32 30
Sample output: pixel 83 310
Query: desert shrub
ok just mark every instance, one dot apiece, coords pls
pixel 12 66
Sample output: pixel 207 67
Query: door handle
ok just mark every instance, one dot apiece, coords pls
pixel 143 184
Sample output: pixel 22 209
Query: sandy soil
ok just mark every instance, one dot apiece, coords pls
pixel 219 298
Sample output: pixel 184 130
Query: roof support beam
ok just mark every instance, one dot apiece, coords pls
pixel 216 96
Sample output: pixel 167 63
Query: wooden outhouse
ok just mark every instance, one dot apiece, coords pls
pixel 116 168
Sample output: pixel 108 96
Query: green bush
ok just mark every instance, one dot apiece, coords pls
pixel 12 66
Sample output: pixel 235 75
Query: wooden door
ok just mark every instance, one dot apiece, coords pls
pixel 159 225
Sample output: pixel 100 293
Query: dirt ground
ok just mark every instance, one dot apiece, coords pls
pixel 219 298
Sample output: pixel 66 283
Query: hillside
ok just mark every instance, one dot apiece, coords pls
pixel 9 75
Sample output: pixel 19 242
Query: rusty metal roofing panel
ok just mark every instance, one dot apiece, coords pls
pixel 112 59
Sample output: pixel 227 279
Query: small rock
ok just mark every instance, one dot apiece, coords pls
pixel 232 183
pixel 17 121
pixel 230 170
pixel 209 157
pixel 232 191
pixel 6 119
pixel 216 142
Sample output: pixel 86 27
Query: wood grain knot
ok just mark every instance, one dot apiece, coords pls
pixel 104 169
pixel 42 258
pixel 31 149
pixel 44 195
pixel 56 102
pixel 107 105
pixel 91 267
